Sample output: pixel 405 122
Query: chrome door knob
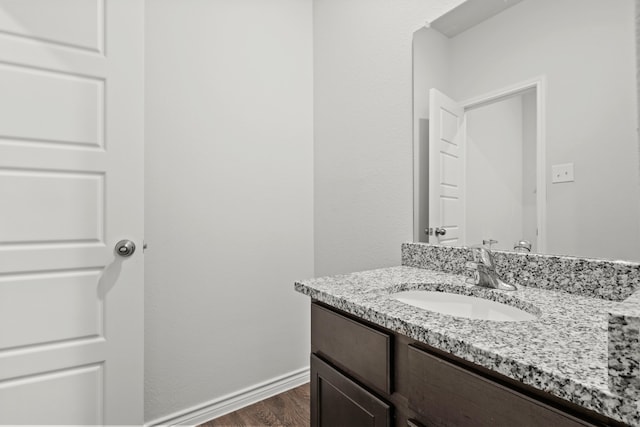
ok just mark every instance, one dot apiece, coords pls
pixel 440 231
pixel 125 248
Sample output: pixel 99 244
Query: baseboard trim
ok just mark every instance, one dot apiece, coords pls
pixel 234 401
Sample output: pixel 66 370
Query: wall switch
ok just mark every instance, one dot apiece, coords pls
pixel 562 173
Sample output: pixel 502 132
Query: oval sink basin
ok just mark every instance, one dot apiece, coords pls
pixel 463 306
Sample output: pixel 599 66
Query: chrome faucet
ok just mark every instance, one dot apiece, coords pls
pixel 484 270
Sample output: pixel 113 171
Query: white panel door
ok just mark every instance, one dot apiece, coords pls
pixel 71 186
pixel 446 169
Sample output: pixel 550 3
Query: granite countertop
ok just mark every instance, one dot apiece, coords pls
pixel 563 352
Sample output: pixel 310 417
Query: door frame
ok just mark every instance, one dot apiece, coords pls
pixel 539 84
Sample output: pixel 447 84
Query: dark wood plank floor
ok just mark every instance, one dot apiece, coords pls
pixel 288 409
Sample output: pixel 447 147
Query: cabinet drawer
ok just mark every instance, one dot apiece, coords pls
pixel 355 348
pixel 338 401
pixel 448 395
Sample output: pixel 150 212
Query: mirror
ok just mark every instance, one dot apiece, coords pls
pixel 526 127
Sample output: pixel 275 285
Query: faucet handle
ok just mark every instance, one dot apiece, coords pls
pixel 483 255
pixel 489 242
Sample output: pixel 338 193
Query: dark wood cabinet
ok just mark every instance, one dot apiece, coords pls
pixel 361 351
pixel 339 401
pixel 446 394
pixel 365 375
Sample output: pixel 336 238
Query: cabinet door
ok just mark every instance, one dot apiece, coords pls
pixel 448 395
pixel 338 401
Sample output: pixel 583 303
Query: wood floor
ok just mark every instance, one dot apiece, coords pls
pixel 288 409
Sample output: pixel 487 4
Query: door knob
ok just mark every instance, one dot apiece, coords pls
pixel 440 231
pixel 125 248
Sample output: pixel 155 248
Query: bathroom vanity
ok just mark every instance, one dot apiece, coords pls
pixel 377 361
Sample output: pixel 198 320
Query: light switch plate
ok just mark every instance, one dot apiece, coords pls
pixel 562 173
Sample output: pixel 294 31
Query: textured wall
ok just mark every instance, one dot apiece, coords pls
pixel 363 129
pixel 229 197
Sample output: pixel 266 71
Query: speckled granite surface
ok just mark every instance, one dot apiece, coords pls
pixel 612 280
pixel 624 353
pixel 624 347
pixel 569 351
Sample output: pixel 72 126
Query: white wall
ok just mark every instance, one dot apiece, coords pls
pixel 587 55
pixel 494 175
pixel 229 179
pixel 363 129
pixel 637 22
